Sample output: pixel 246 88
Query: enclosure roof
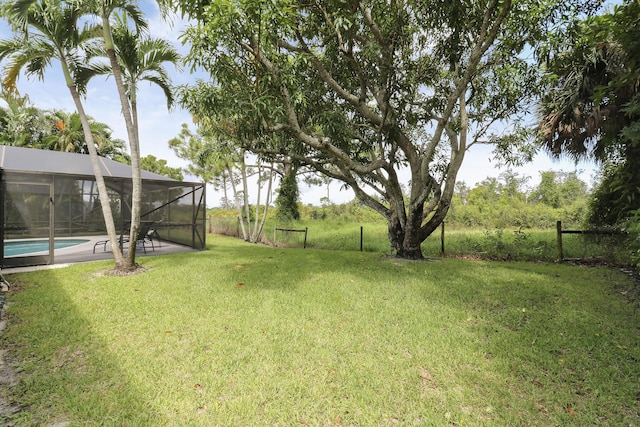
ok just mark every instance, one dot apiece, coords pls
pixel 31 160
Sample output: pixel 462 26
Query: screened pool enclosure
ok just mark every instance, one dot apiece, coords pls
pixel 49 200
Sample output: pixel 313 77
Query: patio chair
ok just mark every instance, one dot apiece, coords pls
pixel 145 236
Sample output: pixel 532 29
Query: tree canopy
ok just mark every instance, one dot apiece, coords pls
pixel 23 124
pixel 372 93
pixel 152 164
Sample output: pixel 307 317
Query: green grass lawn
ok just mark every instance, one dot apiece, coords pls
pixel 249 335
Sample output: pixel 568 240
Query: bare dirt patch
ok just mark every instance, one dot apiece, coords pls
pixel 122 273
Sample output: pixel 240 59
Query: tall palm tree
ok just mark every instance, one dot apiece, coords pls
pixel 123 76
pixel 143 58
pixel 48 30
pixel 104 9
pixel 576 119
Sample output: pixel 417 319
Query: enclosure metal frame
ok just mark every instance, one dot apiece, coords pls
pixel 193 194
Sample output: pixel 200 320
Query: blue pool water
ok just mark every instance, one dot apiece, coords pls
pixel 24 247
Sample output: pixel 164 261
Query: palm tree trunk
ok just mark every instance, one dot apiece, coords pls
pixel 134 144
pixel 95 163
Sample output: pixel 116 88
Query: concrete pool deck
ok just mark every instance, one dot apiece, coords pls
pixel 83 252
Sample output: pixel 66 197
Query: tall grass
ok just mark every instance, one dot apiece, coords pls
pixel 492 244
pixel 253 335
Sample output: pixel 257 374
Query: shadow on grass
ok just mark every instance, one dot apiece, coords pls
pixel 271 336
pixel 562 338
pixel 66 373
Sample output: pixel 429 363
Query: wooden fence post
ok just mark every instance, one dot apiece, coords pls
pixel 361 236
pixel 559 230
pixel 304 246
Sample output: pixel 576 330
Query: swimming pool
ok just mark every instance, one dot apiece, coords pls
pixel 28 247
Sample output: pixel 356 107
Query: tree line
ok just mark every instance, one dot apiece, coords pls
pixel 509 201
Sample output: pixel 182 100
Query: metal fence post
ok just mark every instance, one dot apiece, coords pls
pixel 559 238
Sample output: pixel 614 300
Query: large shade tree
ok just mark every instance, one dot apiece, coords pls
pixel 372 93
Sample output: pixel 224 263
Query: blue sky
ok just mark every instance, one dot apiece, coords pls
pixel 158 126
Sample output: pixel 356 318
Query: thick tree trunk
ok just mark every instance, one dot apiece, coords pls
pixel 406 240
pixel 410 252
pixel 411 245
